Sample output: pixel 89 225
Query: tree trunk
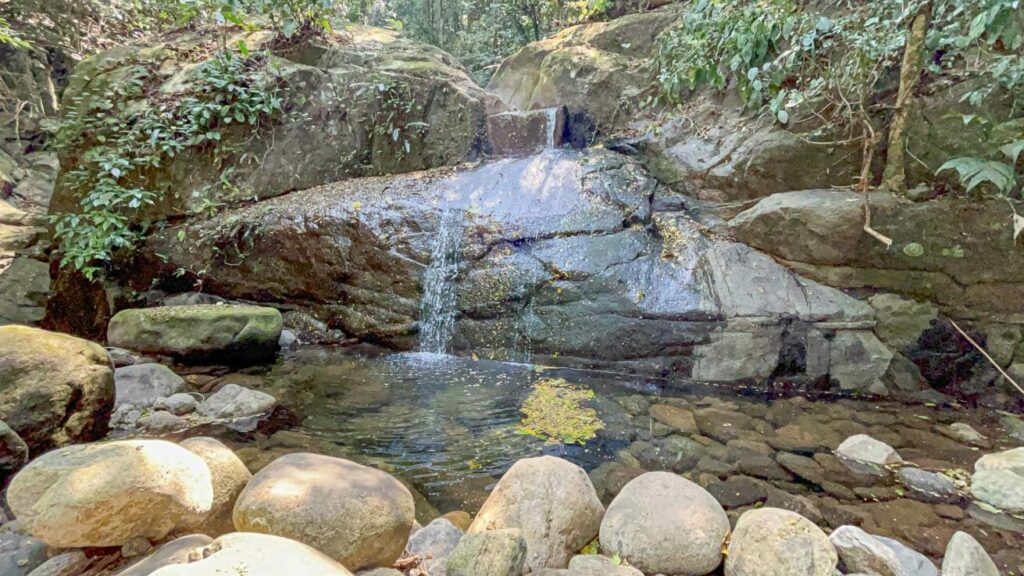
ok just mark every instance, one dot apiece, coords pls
pixel 894 178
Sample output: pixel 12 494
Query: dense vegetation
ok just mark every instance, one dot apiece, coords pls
pixel 826 69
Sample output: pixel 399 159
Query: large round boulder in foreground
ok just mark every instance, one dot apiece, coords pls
pixel 212 332
pixel 552 502
pixel 359 516
pixel 774 542
pixel 229 477
pixel 55 389
pixel 663 523
pixel 107 494
pixel 241 553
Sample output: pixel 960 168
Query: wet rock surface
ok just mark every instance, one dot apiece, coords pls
pixel 561 256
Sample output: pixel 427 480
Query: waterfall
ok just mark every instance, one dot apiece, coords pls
pixel 553 125
pixel 438 307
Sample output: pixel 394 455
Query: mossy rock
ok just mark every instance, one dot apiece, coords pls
pixel 205 333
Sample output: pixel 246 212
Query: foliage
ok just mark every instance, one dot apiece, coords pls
pixel 554 411
pixel 828 68
pixel 128 134
pixel 782 56
pixel 11 37
pixel 390 119
pixel 481 33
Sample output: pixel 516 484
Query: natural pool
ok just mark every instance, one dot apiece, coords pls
pixel 450 427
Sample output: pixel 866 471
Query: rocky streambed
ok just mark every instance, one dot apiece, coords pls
pixel 337 461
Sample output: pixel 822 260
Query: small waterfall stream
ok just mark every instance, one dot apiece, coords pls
pixel 438 307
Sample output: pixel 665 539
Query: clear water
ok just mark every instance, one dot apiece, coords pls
pixel 445 424
pixel 438 306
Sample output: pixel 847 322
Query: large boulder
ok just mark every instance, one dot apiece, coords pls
pixel 559 253
pixel 596 68
pixel 552 502
pixel 359 516
pixel 228 475
pixel 998 480
pixel 955 251
pixel 663 523
pixel 224 333
pixel 255 555
pixel 339 92
pixel 110 493
pixel 774 542
pixel 54 389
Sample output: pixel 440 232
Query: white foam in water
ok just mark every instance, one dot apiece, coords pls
pixel 438 307
pixel 552 125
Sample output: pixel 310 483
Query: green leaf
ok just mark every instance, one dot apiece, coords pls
pixel 1013 150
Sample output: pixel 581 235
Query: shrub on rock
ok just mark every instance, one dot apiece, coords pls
pixel 55 389
pixel 775 542
pixel 256 555
pixel 552 502
pixel 225 333
pixel 109 493
pixel 229 477
pixel 359 516
pixel 664 523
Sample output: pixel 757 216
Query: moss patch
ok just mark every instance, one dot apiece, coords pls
pixel 554 411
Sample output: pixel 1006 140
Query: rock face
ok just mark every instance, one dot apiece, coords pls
pixel 559 253
pixel 357 515
pixel 524 133
pixel 552 502
pixel 494 553
pixel 774 542
pixel 54 389
pixel 956 252
pixel 255 555
pixel 205 332
pixel 595 68
pixel 300 149
pixel 663 523
pixel 24 286
pixel 965 557
pixel 228 475
pixel 108 494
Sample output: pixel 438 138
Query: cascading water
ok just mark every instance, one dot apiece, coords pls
pixel 438 307
pixel 553 126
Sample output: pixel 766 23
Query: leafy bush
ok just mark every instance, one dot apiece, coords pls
pixel 10 37
pixel 128 134
pixel 781 56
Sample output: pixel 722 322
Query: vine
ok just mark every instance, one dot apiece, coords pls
pixel 129 131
